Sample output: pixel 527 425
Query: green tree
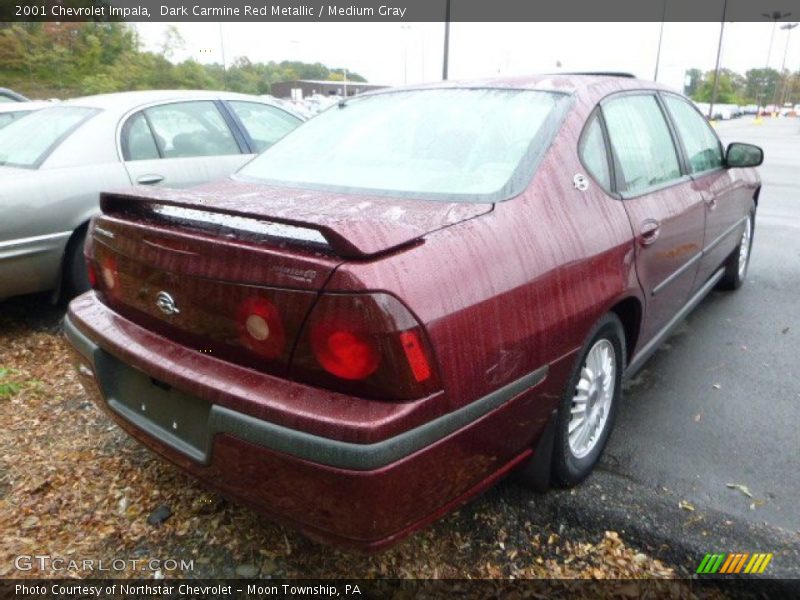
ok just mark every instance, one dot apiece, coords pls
pixel 760 85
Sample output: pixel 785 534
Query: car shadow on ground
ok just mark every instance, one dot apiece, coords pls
pixel 34 312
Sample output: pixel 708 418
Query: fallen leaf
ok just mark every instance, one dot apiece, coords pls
pixel 686 505
pixel 742 488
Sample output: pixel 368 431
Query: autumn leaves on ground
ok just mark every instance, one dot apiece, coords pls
pixel 73 486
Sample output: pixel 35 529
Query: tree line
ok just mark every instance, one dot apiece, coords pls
pixel 757 86
pixel 62 60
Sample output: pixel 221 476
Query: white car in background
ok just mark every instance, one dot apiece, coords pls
pixel 56 161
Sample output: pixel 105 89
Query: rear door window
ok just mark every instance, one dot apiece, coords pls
pixel 138 142
pixel 189 129
pixel 265 124
pixel 642 142
pixel 703 148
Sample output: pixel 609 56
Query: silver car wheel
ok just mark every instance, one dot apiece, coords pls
pixel 591 402
pixel 744 248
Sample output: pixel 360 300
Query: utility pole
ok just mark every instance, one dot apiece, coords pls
pixel 715 89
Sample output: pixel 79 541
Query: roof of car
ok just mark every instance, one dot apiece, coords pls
pixel 569 83
pixel 130 100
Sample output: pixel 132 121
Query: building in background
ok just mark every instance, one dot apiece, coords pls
pixel 302 88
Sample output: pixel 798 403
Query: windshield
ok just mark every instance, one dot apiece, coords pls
pixel 26 142
pixel 453 144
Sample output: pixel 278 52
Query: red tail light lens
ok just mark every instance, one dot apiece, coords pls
pixel 366 345
pixel 420 367
pixel 346 354
pixel 91 273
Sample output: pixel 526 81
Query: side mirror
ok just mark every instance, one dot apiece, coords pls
pixel 743 155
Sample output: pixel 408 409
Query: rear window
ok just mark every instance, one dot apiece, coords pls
pixel 449 144
pixel 27 142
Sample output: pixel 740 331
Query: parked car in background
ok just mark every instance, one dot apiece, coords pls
pixel 54 163
pixel 7 95
pixel 11 111
pixel 412 294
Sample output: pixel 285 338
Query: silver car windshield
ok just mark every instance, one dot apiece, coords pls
pixel 448 144
pixel 26 142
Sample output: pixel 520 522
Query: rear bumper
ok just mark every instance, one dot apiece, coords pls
pixel 366 495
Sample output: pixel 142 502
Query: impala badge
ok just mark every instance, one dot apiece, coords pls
pixel 166 304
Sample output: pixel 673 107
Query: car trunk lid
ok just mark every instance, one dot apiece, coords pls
pixel 235 276
pixel 351 226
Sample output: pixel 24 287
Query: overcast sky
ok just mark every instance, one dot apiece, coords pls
pixel 394 53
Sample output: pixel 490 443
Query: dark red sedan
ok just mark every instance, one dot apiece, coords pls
pixel 412 295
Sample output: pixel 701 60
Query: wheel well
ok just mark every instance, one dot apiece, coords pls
pixel 62 275
pixel 629 312
pixel 79 230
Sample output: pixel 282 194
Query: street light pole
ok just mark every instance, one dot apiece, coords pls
pixel 788 28
pixel 660 37
pixel 715 89
pixel 774 16
pixel 446 39
pixel 405 29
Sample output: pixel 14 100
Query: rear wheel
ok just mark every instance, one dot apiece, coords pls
pixel 738 261
pixel 76 277
pixel 587 410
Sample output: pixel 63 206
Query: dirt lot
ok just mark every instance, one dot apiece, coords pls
pixel 73 486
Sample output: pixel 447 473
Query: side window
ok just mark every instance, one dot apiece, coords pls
pixel 641 141
pixel 265 124
pixel 187 129
pixel 137 139
pixel 703 148
pixel 592 151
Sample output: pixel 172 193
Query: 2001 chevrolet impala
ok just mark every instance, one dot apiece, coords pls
pixel 412 295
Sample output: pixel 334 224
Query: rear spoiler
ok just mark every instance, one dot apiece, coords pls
pixel 191 209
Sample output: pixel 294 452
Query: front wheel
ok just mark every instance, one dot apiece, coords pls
pixel 587 410
pixel 738 261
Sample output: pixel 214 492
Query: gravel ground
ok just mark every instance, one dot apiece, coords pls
pixel 73 486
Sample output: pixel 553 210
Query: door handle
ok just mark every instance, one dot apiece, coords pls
pixel 648 231
pixel 151 179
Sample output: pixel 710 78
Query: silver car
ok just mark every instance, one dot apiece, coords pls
pixel 54 163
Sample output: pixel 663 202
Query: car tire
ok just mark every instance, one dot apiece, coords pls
pixel 593 391
pixel 76 276
pixel 737 263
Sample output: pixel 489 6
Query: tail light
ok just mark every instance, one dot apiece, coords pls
pixel 261 328
pixel 91 273
pixel 109 276
pixel 367 345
